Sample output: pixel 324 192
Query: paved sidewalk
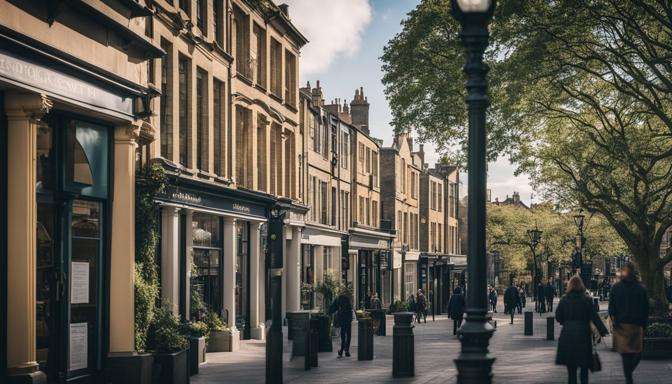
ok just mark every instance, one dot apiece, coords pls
pixel 520 359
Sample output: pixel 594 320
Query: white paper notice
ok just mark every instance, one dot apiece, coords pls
pixel 78 346
pixel 79 286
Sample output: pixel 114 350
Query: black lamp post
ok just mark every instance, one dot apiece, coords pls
pixel 474 364
pixel 274 334
pixel 535 239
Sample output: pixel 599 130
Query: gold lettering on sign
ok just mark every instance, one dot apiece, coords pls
pixel 241 208
pixel 186 197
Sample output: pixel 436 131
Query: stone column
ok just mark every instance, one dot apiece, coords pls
pixel 189 242
pixel 170 267
pixel 23 113
pixel 256 282
pixel 229 277
pixel 293 271
pixel 122 257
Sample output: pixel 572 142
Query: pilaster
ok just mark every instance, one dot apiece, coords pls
pixel 256 281
pixel 170 279
pixel 229 277
pixel 293 269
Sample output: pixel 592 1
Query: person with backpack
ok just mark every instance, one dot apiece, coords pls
pixel 456 306
pixel 511 300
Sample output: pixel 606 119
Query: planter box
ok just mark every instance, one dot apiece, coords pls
pixel 196 354
pixel 379 321
pixel 657 348
pixel 325 333
pixel 130 368
pixel 220 341
pixel 173 368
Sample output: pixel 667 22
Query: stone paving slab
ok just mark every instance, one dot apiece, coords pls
pixel 520 359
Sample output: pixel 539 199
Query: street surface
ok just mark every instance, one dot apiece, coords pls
pixel 520 359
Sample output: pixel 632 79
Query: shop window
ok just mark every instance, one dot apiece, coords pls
pixel 206 290
pixel 46 158
pixel 86 167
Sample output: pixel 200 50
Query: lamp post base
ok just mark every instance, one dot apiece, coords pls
pixel 474 364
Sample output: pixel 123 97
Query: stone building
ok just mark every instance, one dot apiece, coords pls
pixel 75 94
pixel 229 141
pixel 400 174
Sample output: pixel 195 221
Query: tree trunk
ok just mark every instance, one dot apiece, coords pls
pixel 654 281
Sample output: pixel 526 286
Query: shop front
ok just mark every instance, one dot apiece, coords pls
pixel 69 140
pixel 373 267
pixel 213 253
pixel 320 260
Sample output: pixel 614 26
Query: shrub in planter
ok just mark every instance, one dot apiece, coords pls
pixel 398 306
pixel 219 338
pixel 170 348
pixel 197 332
pixel 658 341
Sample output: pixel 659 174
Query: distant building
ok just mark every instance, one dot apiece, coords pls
pixel 511 200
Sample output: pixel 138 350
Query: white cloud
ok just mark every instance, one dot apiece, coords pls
pixel 334 28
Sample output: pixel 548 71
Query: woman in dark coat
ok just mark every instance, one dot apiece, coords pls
pixel 456 306
pixel 343 308
pixel 575 312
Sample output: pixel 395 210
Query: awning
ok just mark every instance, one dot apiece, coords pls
pixel 317 236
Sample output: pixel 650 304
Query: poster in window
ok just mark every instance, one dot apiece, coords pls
pixel 79 285
pixel 78 346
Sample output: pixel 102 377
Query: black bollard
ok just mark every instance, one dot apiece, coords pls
pixel 365 339
pixel 403 346
pixel 312 343
pixel 596 304
pixel 528 323
pixel 324 333
pixel 550 328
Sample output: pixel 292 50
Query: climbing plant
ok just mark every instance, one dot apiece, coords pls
pixel 149 182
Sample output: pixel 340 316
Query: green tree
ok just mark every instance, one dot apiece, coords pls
pixel 581 100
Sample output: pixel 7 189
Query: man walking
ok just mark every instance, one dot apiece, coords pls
pixel 511 300
pixel 541 299
pixel 343 319
pixel 629 311
pixel 421 307
pixel 523 299
pixel 492 296
pixel 549 293
pixel 456 306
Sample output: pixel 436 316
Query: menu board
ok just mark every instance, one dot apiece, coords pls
pixel 79 283
pixel 78 346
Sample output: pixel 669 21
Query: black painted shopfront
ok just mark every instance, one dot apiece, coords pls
pixel 438 277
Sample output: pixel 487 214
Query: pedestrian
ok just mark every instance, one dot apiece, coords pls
pixel 575 313
pixel 375 302
pixel 421 307
pixel 492 296
pixel 431 303
pixel 412 306
pixel 549 293
pixel 343 319
pixel 523 299
pixel 456 306
pixel 629 311
pixel 541 299
pixel 511 300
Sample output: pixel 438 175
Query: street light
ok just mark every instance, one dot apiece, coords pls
pixel 535 239
pixel 474 364
pixel 579 220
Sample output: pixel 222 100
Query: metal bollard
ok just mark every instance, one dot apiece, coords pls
pixel 596 304
pixel 365 339
pixel 312 344
pixel 550 328
pixel 528 323
pixel 403 346
pixel 299 325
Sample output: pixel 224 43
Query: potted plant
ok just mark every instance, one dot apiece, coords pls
pixel 658 341
pixel 329 289
pixel 197 333
pixel 364 336
pixel 220 338
pixel 170 348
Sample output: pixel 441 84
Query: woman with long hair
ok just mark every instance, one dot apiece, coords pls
pixel 575 312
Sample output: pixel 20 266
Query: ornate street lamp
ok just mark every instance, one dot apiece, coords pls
pixel 579 220
pixel 535 239
pixel 274 334
pixel 474 364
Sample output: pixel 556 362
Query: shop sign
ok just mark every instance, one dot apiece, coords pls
pixel 210 201
pixel 60 85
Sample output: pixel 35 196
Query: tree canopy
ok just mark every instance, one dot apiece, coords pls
pixel 581 101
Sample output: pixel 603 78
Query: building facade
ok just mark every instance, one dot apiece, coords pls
pixel 229 141
pixel 75 97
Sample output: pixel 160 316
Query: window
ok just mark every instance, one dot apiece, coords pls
pixel 368 160
pixel 410 279
pixel 241 24
pixel 185 5
pixel 374 214
pixel 414 191
pixel 367 205
pixel 440 238
pixel 345 150
pixel 207 256
pixel 262 164
pixel 405 228
pixel 432 235
pixel 334 207
pixel 166 107
pixel 219 123
pixel 345 202
pixel 276 160
pixel 202 120
pixel 404 170
pixel 375 169
pixel 244 147
pixel 202 16
pixel 327 261
pixel 324 200
pixel 362 212
pixel 439 198
pixel 360 157
pixel 259 54
pixel 315 131
pixel 183 108
pixel 218 21
pixel 325 139
pixel 400 228
pixel 276 68
pixel 432 195
pixel 290 79
pixel 289 169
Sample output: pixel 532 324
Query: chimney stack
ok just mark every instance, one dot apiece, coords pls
pixel 359 110
pixel 284 8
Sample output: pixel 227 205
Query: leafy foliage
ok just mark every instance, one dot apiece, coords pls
pixel 214 322
pixel 150 181
pixel 195 329
pixel 165 333
pixel 659 330
pixel 330 288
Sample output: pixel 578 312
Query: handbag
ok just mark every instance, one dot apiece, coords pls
pixel 595 362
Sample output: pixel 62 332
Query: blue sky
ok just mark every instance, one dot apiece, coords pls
pixel 347 38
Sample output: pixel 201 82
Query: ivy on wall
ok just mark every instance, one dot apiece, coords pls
pixel 150 181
